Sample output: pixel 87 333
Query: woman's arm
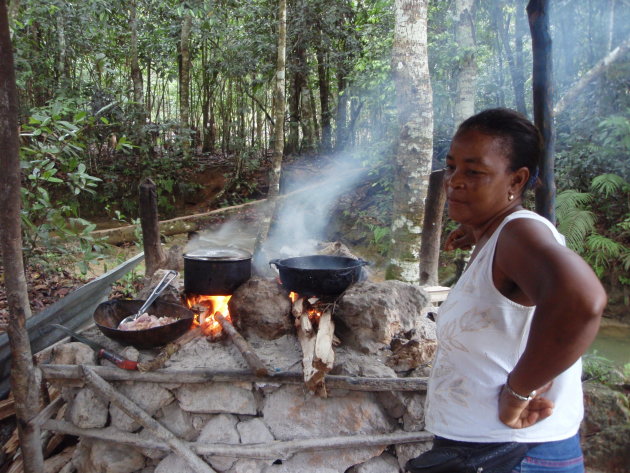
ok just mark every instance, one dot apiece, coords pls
pixel 569 300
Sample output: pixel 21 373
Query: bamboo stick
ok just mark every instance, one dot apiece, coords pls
pixel 254 362
pixel 265 451
pixel 107 392
pixel 206 375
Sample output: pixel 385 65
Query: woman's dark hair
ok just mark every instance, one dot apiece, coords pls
pixel 523 142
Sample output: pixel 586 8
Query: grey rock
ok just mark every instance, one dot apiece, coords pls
pixel 292 412
pixel 109 457
pixel 337 461
pixel 217 398
pixel 249 465
pixel 178 421
pixel 254 431
pixel 413 418
pixel 86 410
pixel 372 314
pixel 73 353
pixel 173 464
pixel 262 307
pixel 407 451
pixel 148 396
pixel 385 463
pixel 220 429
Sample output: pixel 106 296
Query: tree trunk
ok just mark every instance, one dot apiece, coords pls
pixel 596 71
pixel 542 81
pixel 466 73
pixel 25 378
pixel 184 82
pixel 324 97
pixel 504 34
pixel 519 70
pixel 62 76
pixel 413 157
pixel 432 230
pixel 136 78
pixel 278 139
pixel 295 104
pixel 341 121
pixel 154 256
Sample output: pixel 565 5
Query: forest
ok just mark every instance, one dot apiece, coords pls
pixel 184 92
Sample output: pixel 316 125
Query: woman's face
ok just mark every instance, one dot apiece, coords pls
pixel 478 181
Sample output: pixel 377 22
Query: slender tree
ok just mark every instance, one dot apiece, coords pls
pixel 184 80
pixel 542 82
pixel 466 72
pixel 278 145
pixel 415 143
pixel 25 378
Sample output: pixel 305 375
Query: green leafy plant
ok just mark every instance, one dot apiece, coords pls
pixel 51 160
pixel 596 224
pixel 599 368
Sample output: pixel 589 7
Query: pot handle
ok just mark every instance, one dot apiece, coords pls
pixel 363 262
pixel 274 261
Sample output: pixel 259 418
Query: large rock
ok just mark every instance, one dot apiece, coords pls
pixel 371 314
pixel 220 429
pixel 292 412
pixel 87 411
pixel 262 307
pixel 148 396
pixel 217 398
pixel 386 463
pixel 99 456
pixel 605 429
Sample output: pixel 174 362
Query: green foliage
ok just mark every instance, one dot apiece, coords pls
pixel 601 369
pixel 54 177
pixel 596 224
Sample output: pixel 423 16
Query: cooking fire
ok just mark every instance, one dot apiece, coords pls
pixel 206 309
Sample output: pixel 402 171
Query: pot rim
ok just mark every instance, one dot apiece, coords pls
pixel 218 254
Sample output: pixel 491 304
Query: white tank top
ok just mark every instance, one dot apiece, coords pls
pixel 481 335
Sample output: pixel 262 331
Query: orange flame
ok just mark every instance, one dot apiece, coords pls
pixel 205 308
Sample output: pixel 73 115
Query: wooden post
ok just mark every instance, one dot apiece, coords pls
pixel 254 362
pixel 25 378
pixel 432 229
pixel 154 256
pixel 542 83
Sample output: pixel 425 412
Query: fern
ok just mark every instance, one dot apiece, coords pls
pixel 575 224
pixel 608 184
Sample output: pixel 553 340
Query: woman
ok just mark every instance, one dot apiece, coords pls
pixel 513 328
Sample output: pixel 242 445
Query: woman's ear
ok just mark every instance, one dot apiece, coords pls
pixel 519 180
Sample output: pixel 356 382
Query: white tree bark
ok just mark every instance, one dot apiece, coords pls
pixel 413 158
pixel 466 74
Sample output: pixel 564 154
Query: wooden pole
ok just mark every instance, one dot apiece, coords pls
pixel 154 256
pixel 107 392
pixel 270 450
pixel 255 363
pixel 432 230
pixel 25 378
pixel 72 373
pixel 542 83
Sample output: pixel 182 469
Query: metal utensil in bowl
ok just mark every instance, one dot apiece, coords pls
pixel 159 288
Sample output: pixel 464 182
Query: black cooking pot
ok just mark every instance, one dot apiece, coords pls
pixel 216 271
pixel 319 275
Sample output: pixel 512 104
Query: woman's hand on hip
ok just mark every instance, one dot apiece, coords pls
pixel 519 414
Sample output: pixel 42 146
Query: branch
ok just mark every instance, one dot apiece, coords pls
pixel 597 70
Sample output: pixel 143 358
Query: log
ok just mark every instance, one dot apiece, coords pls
pixel 254 362
pixel 107 392
pixel 47 412
pixel 324 354
pixel 56 463
pixel 154 256
pixel 207 375
pixel 7 408
pixel 264 451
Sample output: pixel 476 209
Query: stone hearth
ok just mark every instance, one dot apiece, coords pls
pixel 384 335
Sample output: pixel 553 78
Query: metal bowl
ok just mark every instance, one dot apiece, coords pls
pixel 108 315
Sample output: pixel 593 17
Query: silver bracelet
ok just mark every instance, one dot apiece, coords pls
pixel 518 396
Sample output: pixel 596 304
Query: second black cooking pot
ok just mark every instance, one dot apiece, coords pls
pixel 216 271
pixel 319 275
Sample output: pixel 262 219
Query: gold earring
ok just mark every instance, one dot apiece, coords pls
pixel 510 197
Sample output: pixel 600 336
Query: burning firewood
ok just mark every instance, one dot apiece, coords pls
pixel 243 346
pixel 317 352
pixel 324 354
pixel 170 349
